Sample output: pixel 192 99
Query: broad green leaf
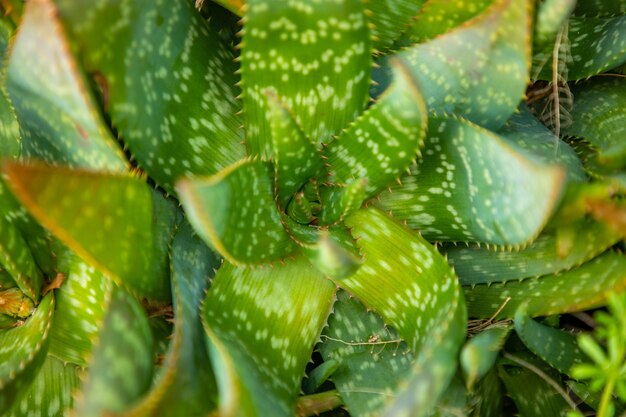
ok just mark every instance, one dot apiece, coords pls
pixel 10 138
pixel 262 325
pixel 17 259
pixel 599 117
pixel 6 280
pixel 453 402
pixel 121 365
pixel 600 8
pixel 167 82
pixel 437 17
pixel 338 201
pixel 494 48
pixel 596 44
pixel 422 301
pixel 234 211
pixel 319 375
pixel 579 289
pixel 552 252
pixel 390 18
pixel 472 184
pixel 22 351
pixel 488 396
pixel 372 359
pixel 50 394
pixel 556 347
pixel 480 352
pixel 105 219
pixel 295 156
pixel 526 131
pixel 384 141
pixel 315 57
pixel 59 120
pixel 532 395
pixel 550 17
pixel 82 302
pixel 185 385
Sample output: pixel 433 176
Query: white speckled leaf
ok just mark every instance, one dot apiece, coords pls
pixel 385 140
pixel 121 364
pixel 556 347
pixel 472 184
pixel 296 158
pixel 262 324
pixel 599 117
pixel 234 211
pixel 422 301
pixel 552 252
pixel 315 56
pixel 50 394
pixel 338 201
pixel 372 359
pixel 82 302
pixel 579 289
pixel 22 351
pixel 550 17
pixel 105 219
pixel 185 384
pixel 10 139
pixel 480 352
pixel 167 79
pixel 17 259
pixel 479 70
pixel 390 18
pixel 58 116
pixel 601 8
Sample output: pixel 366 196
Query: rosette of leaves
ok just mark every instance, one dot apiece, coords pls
pixel 234 209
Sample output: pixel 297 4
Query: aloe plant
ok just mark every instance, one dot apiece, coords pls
pixel 277 208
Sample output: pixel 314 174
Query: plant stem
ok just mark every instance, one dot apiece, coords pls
pixel 315 404
pixel 606 396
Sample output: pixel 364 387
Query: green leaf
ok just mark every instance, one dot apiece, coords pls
pixel 487 398
pixel 494 48
pixel 120 369
pixel 601 8
pixel 551 294
pixel 422 301
pixel 319 375
pixel 59 118
pixel 314 57
pixel 338 201
pixel 299 209
pixel 185 384
pixel 105 219
pixel 372 359
pixel 438 17
pixel 10 139
pixel 390 18
pixel 532 395
pixel 552 252
pixel 82 302
pixel 556 347
pixel 22 351
pixel 480 352
pixel 599 117
pixel 235 213
pixel 472 184
pixel 167 82
pixel 16 258
pixel 50 394
pixel 550 18
pixel 385 140
pixel 262 325
pixel 295 156
pixel 527 132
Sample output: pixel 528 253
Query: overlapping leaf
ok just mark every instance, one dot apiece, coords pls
pixel 479 354
pixel 166 79
pixel 235 212
pixel 422 301
pixel 471 184
pixel 121 366
pixel 262 324
pixel 385 140
pixel 58 116
pixel 390 18
pixel 315 57
pixel 459 70
pixel 579 289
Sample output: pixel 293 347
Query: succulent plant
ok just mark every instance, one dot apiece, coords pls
pixel 277 208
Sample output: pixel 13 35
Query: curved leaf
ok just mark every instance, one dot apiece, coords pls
pixel 390 18
pixel 58 117
pixel 262 325
pixel 480 352
pixel 315 57
pixel 471 184
pixel 551 294
pixel 10 138
pixel 235 212
pixel 166 79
